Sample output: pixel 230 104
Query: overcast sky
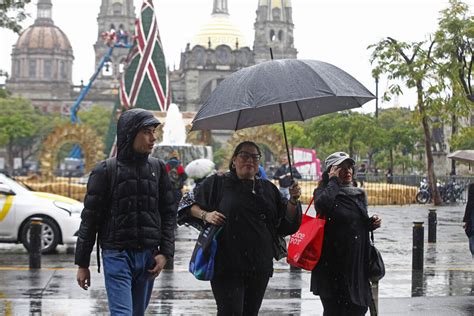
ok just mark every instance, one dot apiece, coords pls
pixel 333 31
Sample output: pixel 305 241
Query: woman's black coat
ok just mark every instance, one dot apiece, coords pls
pixel 342 271
pixel 245 243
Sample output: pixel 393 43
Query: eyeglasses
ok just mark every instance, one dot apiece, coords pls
pixel 246 156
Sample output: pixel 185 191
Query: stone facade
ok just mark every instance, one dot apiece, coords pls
pixel 42 60
pixel 218 50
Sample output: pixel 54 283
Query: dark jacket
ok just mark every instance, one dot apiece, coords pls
pixel 342 271
pixel 469 213
pixel 140 211
pixel 286 181
pixel 245 243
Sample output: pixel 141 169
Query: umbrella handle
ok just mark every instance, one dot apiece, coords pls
pixel 284 134
pixel 286 143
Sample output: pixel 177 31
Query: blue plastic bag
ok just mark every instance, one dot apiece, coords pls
pixel 202 261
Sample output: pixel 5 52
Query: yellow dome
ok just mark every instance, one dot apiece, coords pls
pixel 220 31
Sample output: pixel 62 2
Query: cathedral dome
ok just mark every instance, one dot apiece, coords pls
pixel 219 31
pixel 43 36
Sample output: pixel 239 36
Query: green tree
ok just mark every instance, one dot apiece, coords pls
pixel 412 64
pixel 98 118
pixel 453 55
pixel 295 133
pixel 400 136
pixel 345 131
pixel 464 139
pixel 12 12
pixel 4 94
pixel 454 51
pixel 22 127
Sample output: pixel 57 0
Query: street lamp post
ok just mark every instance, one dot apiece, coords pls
pixel 376 96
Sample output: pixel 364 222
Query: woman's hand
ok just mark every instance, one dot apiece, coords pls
pixel 334 171
pixel 295 191
pixel 376 222
pixel 214 218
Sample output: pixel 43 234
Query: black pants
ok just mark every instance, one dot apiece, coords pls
pixel 336 307
pixel 238 296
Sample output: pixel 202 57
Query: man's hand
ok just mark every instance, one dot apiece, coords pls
pixel 160 262
pixel 83 278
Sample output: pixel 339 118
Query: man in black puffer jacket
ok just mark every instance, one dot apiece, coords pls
pixel 131 206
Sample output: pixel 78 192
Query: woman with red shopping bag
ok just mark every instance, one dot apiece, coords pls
pixel 341 276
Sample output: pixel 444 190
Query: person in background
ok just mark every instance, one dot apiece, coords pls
pixel 389 176
pixel 283 176
pixel 133 212
pixel 251 211
pixel 361 174
pixel 261 172
pixel 468 218
pixel 341 276
pixel 176 174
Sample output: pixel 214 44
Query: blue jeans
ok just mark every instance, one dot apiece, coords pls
pixel 127 281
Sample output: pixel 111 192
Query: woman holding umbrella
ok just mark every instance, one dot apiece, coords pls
pixel 252 213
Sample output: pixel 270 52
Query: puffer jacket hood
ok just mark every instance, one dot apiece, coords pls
pixel 128 126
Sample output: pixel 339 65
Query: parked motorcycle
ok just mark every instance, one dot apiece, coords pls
pixel 423 195
pixel 450 192
pixel 453 192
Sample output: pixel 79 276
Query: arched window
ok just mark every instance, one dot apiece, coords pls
pixel 47 69
pixel 122 65
pixel 32 68
pixel 280 35
pixel 206 92
pixel 272 36
pixel 62 70
pixel 17 68
pixel 108 69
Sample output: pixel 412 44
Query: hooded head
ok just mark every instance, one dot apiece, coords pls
pixel 128 126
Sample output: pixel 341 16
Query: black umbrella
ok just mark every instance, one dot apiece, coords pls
pixel 278 91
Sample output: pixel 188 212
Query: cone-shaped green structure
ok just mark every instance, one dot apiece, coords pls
pixel 145 82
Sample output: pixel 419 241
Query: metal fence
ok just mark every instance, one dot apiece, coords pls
pixel 401 191
pixel 398 190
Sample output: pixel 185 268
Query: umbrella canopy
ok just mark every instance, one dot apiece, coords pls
pixel 304 88
pixel 199 168
pixel 466 156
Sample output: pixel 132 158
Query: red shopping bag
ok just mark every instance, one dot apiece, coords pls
pixel 304 249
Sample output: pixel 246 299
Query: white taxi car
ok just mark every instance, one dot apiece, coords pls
pixel 61 215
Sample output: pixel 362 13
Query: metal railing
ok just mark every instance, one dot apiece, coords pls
pixel 401 191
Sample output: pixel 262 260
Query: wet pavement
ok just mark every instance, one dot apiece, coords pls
pixel 445 287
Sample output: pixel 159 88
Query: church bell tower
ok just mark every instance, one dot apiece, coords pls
pixel 115 16
pixel 274 28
